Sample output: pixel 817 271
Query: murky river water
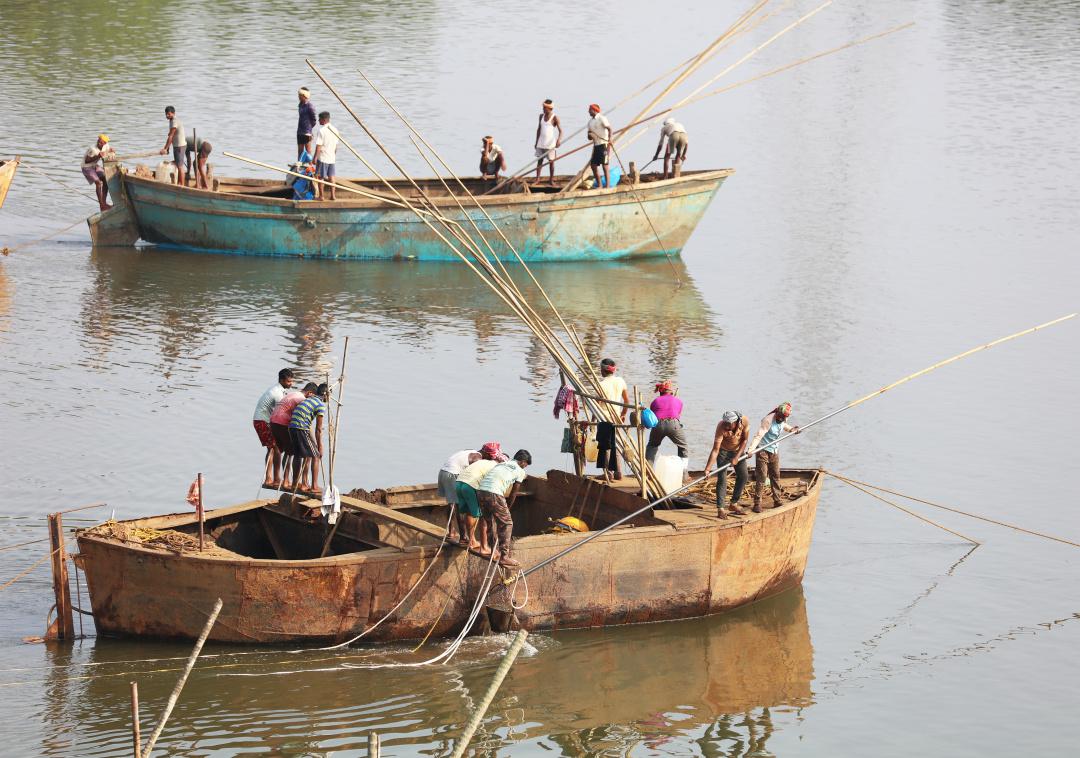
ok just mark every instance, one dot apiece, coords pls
pixel 893 205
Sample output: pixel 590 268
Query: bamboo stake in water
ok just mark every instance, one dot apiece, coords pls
pixel 175 695
pixel 485 702
pixel 709 474
pixel 135 736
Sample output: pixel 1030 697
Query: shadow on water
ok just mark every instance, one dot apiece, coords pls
pixel 716 682
pixel 184 298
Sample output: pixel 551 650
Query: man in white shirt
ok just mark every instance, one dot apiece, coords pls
pixel 264 408
pixel 326 144
pixel 600 135
pixel 614 389
pixel 677 143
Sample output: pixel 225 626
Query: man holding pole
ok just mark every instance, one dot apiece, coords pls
pixel 729 445
pixel 772 428
pixel 600 136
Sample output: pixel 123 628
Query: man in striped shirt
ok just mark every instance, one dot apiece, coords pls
pixel 305 430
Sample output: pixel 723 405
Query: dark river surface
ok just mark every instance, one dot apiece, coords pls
pixel 893 204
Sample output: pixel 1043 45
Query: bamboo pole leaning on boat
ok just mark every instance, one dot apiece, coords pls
pixel 694 65
pixel 584 362
pixel 478 261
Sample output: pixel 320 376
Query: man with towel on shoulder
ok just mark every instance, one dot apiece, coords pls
pixel 548 137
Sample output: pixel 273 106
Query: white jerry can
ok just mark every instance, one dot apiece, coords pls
pixel 165 172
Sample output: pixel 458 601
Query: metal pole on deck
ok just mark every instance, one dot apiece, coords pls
pixel 65 622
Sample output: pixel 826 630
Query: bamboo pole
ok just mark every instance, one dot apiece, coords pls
pixel 135 736
pixel 373 746
pixel 751 54
pixel 504 288
pixel 696 63
pixel 175 695
pixel 496 681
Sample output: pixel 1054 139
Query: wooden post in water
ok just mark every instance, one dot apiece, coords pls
pixel 65 622
pixel 135 735
pixel 373 745
pixel 199 508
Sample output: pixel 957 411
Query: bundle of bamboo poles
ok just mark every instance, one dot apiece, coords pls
pixel 479 254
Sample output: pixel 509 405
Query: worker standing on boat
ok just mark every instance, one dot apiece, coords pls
pixel 548 137
pixel 614 389
pixel 305 123
pixel 96 174
pixel 492 160
pixel 467 503
pixel 326 144
pixel 279 427
pixel 305 430
pixel 600 135
pixel 196 154
pixel 729 446
pixel 677 144
pixel 448 475
pixel 496 494
pixel 178 142
pixel 261 420
pixel 668 409
pixel 768 458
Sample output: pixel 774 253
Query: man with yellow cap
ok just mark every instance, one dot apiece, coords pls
pixel 768 458
pixel 94 173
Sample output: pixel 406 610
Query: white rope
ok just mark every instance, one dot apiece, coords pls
pixel 513 593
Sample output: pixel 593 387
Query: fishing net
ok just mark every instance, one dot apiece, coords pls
pixel 173 540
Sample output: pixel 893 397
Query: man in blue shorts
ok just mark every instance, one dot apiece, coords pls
pixel 326 143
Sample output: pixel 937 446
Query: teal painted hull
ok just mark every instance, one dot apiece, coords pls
pixel 582 225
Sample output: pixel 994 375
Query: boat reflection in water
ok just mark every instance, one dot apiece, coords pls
pixel 193 298
pixel 719 685
pixel 713 681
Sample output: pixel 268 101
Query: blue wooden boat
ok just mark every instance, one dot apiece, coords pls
pixel 258 217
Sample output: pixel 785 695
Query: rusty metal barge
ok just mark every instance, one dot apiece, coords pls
pixel 650 217
pixel 262 558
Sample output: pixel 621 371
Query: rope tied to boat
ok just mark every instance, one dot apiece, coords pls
pixel 859 485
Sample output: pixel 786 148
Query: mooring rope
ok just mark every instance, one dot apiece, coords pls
pixel 855 482
pixel 33 566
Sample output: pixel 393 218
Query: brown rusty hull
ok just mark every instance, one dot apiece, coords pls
pixel 668 565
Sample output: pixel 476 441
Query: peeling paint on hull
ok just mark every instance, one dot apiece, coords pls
pixel 581 225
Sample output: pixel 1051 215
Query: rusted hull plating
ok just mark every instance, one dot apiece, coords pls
pixel 694 565
pixel 581 225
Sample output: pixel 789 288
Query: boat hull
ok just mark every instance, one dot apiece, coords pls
pixel 657 218
pixel 671 565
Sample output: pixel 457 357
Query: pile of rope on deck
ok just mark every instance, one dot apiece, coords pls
pixel 173 540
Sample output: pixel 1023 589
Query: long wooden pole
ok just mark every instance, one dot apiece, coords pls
pixel 709 474
pixel 496 681
pixel 136 738
pixel 533 318
pixel 696 63
pixel 175 694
